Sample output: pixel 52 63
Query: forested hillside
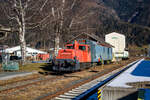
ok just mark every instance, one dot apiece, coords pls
pixel 129 17
pixel 133 11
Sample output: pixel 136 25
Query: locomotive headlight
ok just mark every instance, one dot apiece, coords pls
pixel 72 63
pixel 56 62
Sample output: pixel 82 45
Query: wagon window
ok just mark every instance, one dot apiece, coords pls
pixel 82 47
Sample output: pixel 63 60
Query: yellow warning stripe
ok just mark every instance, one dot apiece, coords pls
pixel 99 93
pixel 99 96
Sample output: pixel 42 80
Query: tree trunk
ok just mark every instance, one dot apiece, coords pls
pixel 56 45
pixel 22 43
pixel 59 29
pixel 22 35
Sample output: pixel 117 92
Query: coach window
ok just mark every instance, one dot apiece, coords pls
pixel 108 51
pixel 103 50
pixel 82 48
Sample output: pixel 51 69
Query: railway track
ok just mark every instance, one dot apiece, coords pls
pixel 16 85
pixel 22 80
pixel 79 87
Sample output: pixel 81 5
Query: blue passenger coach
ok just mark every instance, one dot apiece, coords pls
pixel 100 52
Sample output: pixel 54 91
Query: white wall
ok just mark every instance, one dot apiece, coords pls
pixel 118 41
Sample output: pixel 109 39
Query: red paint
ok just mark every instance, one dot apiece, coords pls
pixel 99 59
pixel 80 51
pixel 43 56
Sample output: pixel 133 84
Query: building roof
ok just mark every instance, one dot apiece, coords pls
pixel 115 33
pixel 3 32
pixel 93 37
pixel 17 48
pixel 2 47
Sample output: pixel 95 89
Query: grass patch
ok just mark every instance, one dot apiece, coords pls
pixel 34 67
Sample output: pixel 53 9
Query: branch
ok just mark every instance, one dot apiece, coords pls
pixel 38 11
pixel 44 25
pixel 9 17
pixel 71 23
pixel 41 20
pixel 73 4
pixel 26 4
pixel 43 5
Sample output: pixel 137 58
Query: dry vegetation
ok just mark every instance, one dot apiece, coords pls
pixel 137 51
pixel 32 67
pixel 16 79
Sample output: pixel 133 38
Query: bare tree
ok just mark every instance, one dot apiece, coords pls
pixel 68 16
pixel 58 25
pixel 18 15
pixel 19 10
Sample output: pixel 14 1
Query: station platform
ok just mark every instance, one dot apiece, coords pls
pixel 139 72
pixel 89 91
pixel 9 75
pixel 130 84
pixel 143 94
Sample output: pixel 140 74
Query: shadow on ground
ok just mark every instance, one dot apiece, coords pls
pixel 132 96
pixel 94 71
pixel 47 67
pixel 47 70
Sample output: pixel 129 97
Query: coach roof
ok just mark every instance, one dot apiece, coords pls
pixel 93 37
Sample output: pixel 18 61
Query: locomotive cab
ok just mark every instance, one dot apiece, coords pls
pixel 70 58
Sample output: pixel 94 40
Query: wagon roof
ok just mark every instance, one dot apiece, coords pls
pixel 93 37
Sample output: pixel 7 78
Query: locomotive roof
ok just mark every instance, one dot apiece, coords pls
pixel 92 37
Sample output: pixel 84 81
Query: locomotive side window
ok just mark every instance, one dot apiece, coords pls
pixel 82 48
pixel 89 49
pixel 70 47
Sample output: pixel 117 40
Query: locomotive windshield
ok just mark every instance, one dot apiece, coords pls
pixel 70 47
pixel 82 47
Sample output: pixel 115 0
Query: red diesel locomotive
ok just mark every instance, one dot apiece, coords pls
pixel 71 58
